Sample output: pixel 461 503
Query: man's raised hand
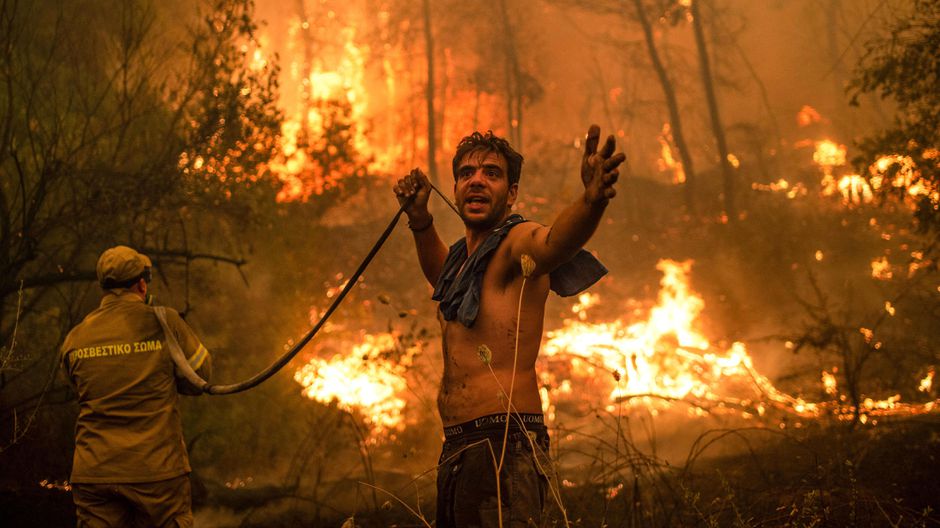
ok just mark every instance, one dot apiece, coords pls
pixel 600 170
pixel 415 188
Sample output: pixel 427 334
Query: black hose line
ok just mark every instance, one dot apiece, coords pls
pixel 260 377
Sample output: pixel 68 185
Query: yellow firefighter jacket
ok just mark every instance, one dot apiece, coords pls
pixel 128 427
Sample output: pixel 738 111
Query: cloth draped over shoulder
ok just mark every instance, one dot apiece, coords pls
pixel 458 289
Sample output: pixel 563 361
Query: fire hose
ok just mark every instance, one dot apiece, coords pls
pixel 185 370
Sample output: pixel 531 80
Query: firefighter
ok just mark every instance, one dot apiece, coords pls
pixel 130 465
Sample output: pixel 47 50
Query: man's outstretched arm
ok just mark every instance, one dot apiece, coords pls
pixel 552 246
pixel 431 249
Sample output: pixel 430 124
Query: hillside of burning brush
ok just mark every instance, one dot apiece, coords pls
pixel 791 281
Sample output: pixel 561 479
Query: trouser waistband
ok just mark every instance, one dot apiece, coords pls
pixel 495 422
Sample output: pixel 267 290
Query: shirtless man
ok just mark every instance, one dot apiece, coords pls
pixel 478 282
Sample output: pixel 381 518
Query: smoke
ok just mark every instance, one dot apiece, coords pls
pixel 352 86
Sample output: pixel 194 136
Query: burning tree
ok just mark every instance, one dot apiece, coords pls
pixel 903 64
pixel 324 153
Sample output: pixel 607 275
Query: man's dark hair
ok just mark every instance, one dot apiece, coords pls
pixel 110 283
pixel 486 143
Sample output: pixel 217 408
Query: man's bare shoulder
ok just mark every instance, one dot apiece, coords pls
pixel 520 237
pixel 518 232
pixel 523 231
pixel 506 259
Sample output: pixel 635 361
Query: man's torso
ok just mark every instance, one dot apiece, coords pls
pixel 470 388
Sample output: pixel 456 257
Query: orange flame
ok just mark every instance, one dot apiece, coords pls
pixel 830 383
pixel 665 358
pixel 782 185
pixel 927 383
pixel 330 82
pixel 365 381
pixel 807 116
pixel 653 358
pixel 854 189
pixel 667 161
pixel 905 176
pixel 829 154
pixel 898 171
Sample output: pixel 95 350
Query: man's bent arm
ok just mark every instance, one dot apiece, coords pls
pixel 194 351
pixel 413 192
pixel 431 252
pixel 552 246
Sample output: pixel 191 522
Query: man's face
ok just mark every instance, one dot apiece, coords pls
pixel 482 190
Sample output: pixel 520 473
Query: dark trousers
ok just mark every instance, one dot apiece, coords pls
pixel 466 479
pixel 164 504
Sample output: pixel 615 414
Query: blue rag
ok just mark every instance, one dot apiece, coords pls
pixel 458 290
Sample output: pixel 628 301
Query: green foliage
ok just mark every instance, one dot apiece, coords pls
pixel 227 101
pixel 904 66
pixel 100 104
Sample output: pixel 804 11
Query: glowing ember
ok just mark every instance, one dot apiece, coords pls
pixel 830 383
pixel 901 166
pixel 927 383
pixel 854 189
pixel 917 262
pixel 238 482
pixel 585 301
pixel 881 269
pixel 612 492
pixel 781 185
pixel 894 170
pixel 807 116
pixel 64 485
pixel 903 174
pixel 829 154
pixel 367 380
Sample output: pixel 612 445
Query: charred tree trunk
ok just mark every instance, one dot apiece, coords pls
pixel 476 105
pixel 675 122
pixel 513 82
pixel 306 37
pixel 832 26
pixel 442 96
pixel 727 173
pixel 429 92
